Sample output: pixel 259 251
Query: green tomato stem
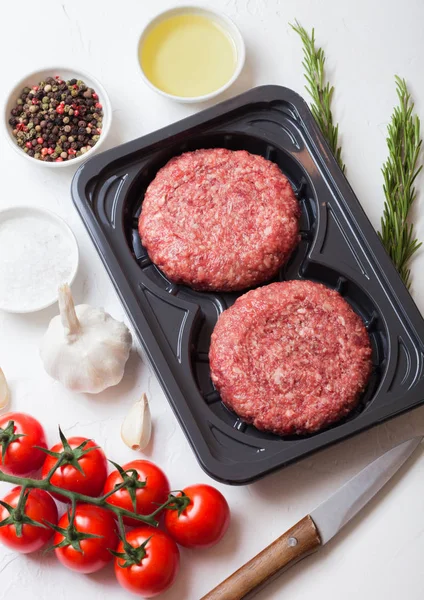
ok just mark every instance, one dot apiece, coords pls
pixel 21 504
pixel 55 466
pixel 44 484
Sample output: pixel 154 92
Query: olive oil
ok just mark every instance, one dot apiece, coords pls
pixel 188 55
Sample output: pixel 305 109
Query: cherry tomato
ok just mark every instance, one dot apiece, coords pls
pixel 67 476
pixel 203 522
pixel 157 570
pixel 94 553
pixel 40 507
pixel 20 457
pixel 148 498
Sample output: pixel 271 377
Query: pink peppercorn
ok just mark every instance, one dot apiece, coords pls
pixel 44 151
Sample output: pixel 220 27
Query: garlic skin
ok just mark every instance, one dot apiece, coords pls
pixel 84 347
pixel 4 391
pixel 136 428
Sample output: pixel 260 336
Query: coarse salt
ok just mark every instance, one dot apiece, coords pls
pixel 37 254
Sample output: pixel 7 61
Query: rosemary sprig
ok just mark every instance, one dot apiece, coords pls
pixel 400 171
pixel 319 89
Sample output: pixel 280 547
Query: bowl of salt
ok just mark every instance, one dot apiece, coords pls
pixel 38 252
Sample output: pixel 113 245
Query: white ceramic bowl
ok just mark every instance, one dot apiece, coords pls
pixel 65 73
pixel 225 22
pixel 13 259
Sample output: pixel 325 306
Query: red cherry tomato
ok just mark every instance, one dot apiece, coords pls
pixel 156 571
pixel 67 476
pixel 40 507
pixel 203 522
pixel 94 553
pixel 20 457
pixel 154 493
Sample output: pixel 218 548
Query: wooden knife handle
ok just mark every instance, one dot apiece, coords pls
pixel 297 543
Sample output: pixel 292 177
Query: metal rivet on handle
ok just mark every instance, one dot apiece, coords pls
pixel 292 541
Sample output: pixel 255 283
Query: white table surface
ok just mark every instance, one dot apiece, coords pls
pixel 381 553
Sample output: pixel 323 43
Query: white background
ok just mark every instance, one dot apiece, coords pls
pixel 381 553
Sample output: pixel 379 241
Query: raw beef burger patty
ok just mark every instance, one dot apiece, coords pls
pixel 219 220
pixel 290 357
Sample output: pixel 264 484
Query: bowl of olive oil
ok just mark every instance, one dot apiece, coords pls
pixel 190 54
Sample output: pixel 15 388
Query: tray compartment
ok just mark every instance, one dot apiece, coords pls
pixel 338 247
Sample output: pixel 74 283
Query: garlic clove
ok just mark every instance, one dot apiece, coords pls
pixel 136 428
pixel 4 391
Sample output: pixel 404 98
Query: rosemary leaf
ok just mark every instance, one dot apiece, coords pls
pixel 320 91
pixel 399 173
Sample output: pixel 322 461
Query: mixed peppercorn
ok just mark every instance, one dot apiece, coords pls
pixel 57 120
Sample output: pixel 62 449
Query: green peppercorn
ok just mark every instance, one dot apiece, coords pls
pixel 54 155
pixel 70 138
pixel 26 90
pixel 66 120
pixel 19 101
pixel 78 153
pixel 66 109
pixel 67 128
pixel 58 150
pixel 33 108
pixel 54 88
pixel 37 155
pixel 74 93
pixel 63 138
pixel 71 111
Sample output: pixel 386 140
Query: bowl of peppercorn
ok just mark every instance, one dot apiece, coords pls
pixel 57 117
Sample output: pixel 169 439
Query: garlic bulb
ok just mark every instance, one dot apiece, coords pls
pixel 4 391
pixel 84 347
pixel 137 426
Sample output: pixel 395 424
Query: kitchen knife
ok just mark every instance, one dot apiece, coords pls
pixel 316 529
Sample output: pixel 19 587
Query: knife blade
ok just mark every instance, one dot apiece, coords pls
pixel 316 529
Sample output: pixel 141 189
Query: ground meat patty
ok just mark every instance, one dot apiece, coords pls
pixel 290 357
pixel 219 220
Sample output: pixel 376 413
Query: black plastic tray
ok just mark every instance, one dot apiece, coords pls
pixel 339 248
